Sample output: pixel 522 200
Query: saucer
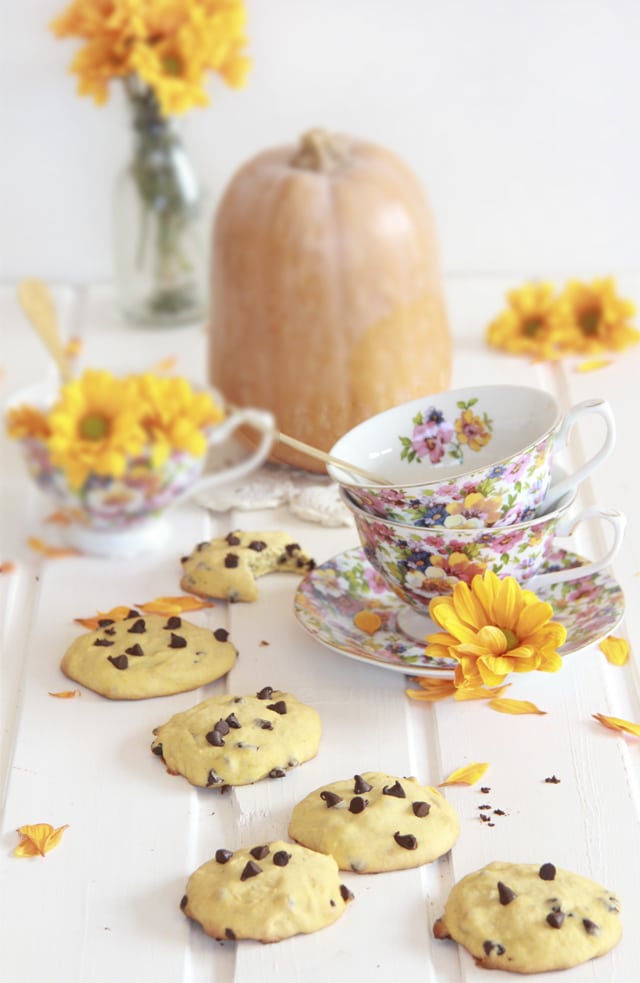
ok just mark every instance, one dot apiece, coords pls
pixel 333 593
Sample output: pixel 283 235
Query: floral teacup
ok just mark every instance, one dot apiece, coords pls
pixel 421 563
pixel 479 456
pixel 115 454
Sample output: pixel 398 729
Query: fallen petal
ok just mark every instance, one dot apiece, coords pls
pixel 515 707
pixel 617 650
pixel 38 839
pixel 468 775
pixel 616 723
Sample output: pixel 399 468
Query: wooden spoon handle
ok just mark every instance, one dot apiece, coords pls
pixel 315 452
pixel 37 303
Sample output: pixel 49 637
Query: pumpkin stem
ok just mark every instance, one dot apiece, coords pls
pixel 318 151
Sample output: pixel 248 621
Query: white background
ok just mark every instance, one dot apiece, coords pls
pixel 521 117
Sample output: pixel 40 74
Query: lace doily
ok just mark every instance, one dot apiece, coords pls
pixel 311 497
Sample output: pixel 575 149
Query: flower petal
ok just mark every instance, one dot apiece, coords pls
pixel 468 775
pixel 432 689
pixel 175 604
pixel 617 723
pixel 38 839
pixel 617 650
pixel 515 707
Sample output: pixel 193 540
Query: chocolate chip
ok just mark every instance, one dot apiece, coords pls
pixel 277 773
pixel 330 798
pixel 485 790
pixel 260 852
pixel 119 661
pixel 279 707
pixel 590 927
pixel 547 872
pixel 232 539
pixel 258 545
pixel 555 919
pixel 222 727
pixel 406 841
pixel 281 858
pixel 552 780
pixel 421 809
pixel 359 785
pixel 489 946
pixel 177 642
pixel 505 893
pixel 358 804
pixel 221 634
pixel 230 934
pixel 184 901
pixel 499 812
pixel 292 548
pixel 265 693
pixel 215 738
pixel 396 790
pixel 134 650
pixel 231 561
pixel 103 642
pixel 174 622
pixel 109 631
pixel 345 893
pixel 233 721
pixel 157 749
pixel 132 613
pixel 103 622
pixel 138 627
pixel 251 869
pixel 264 724
pixel 214 779
pixel 202 546
pixel 223 856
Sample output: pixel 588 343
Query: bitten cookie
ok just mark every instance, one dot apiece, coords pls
pixel 269 892
pixel 227 568
pixel 376 822
pixel 148 655
pixel 237 740
pixel 530 919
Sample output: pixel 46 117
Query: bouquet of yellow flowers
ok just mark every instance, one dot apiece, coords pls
pixel 168 45
pixel 161 51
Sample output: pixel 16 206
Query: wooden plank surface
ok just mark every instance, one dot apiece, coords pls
pixel 104 905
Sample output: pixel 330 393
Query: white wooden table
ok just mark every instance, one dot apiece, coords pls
pixel 103 906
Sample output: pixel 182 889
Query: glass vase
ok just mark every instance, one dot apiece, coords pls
pixel 160 224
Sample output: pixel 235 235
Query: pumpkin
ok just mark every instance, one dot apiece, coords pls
pixel 326 292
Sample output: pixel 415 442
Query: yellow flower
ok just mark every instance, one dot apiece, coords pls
pixel 174 416
pixel 472 430
pixel 596 318
pixel 170 45
pixel 95 427
pixel 25 421
pixel 493 628
pixel 528 324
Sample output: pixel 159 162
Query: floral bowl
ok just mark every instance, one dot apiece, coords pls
pixel 114 454
pixel 479 456
pixel 420 563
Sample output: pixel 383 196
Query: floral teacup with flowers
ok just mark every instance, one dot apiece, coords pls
pixel 480 456
pixel 114 453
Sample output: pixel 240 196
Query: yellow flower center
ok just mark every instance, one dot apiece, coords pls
pixel 531 326
pixel 511 638
pixel 94 427
pixel 589 320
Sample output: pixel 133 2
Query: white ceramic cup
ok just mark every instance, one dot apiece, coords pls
pixel 486 452
pixel 126 516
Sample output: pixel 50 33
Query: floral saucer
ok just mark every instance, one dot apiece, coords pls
pixel 331 595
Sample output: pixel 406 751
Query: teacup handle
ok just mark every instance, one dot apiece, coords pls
pixel 600 407
pixel 616 520
pixel 261 420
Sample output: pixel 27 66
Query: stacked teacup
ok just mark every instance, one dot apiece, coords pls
pixel 467 481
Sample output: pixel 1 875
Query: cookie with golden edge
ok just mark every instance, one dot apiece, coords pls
pixel 227 567
pixel 376 822
pixel 238 740
pixel 267 892
pixel 527 918
pixel 148 655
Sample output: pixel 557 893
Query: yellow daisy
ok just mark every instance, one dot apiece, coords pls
pixel 95 427
pixel 596 318
pixel 529 322
pixel 492 628
pixel 174 416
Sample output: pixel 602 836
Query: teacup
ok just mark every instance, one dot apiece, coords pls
pixel 482 454
pixel 420 563
pixel 124 516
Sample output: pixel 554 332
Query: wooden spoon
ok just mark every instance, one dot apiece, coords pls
pixel 37 303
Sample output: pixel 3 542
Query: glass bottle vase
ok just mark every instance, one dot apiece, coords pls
pixel 160 233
